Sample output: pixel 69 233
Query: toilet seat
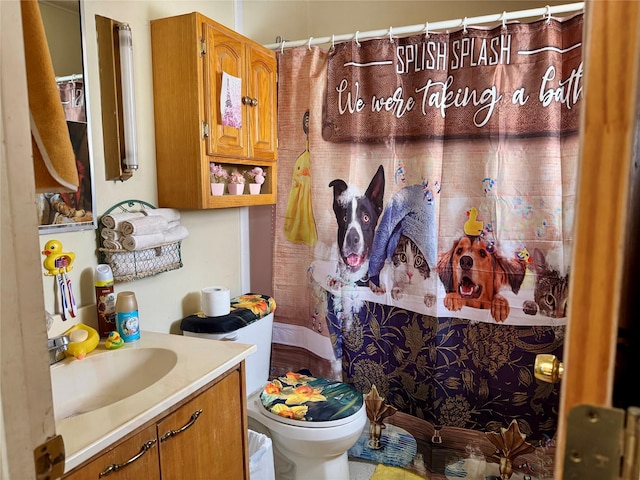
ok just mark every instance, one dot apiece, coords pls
pixel 302 400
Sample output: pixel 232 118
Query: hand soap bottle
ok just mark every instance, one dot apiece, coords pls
pixel 127 318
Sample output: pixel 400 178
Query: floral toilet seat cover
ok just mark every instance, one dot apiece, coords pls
pixel 300 397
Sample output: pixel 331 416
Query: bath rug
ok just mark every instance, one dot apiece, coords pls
pixel 399 447
pixel 382 472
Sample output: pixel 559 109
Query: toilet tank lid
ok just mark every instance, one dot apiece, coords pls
pixel 244 310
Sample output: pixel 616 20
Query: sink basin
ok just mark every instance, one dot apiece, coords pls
pixel 81 386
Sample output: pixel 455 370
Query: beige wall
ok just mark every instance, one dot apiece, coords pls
pixel 212 252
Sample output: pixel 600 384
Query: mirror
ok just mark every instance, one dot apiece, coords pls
pixel 63 24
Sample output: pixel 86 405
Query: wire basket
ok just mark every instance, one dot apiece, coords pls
pixel 129 265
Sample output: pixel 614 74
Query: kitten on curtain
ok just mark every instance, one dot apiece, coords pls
pixel 550 292
pixel 410 271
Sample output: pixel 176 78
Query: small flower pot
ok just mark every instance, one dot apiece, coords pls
pixel 254 188
pixel 217 188
pixel 236 188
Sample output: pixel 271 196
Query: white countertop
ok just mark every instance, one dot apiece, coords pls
pixel 199 361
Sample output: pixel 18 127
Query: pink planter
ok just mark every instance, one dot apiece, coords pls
pixel 236 188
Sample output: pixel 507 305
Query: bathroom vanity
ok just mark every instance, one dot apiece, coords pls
pixel 191 422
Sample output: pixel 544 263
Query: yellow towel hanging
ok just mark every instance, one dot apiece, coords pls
pixel 53 156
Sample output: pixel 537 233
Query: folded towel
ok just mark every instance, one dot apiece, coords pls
pixel 111 234
pixel 112 244
pixel 54 160
pixel 114 220
pixel 176 234
pixel 140 242
pixel 144 225
pixel 169 214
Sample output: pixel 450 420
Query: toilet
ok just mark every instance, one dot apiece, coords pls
pixel 310 441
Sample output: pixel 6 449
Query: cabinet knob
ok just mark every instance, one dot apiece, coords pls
pixel 547 368
pixel 249 101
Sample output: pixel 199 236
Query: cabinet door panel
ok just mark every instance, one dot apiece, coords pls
pixel 262 117
pixel 146 465
pixel 224 54
pixel 213 445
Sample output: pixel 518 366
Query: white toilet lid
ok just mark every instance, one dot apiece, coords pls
pixel 303 400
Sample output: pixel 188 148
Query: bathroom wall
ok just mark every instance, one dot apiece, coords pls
pixel 217 251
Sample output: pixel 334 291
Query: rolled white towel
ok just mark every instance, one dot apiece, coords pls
pixel 110 234
pixel 176 234
pixel 113 220
pixel 140 242
pixel 111 244
pixel 145 225
pixel 169 214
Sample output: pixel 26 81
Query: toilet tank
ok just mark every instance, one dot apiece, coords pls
pixel 257 365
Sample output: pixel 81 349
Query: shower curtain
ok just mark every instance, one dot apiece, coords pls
pixel 423 233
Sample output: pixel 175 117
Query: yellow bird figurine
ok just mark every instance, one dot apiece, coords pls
pixel 113 341
pixel 56 261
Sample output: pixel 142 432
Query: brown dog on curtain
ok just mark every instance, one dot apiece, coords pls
pixel 473 273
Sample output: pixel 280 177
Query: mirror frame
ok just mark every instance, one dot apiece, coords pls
pixel 93 223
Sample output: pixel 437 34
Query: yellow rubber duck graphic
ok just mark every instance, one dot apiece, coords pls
pixel 299 224
pixel 472 226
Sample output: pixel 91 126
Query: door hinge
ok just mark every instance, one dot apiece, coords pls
pixel 203 48
pixel 602 444
pixel 205 129
pixel 49 459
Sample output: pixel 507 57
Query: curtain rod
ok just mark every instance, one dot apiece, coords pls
pixel 69 78
pixel 428 27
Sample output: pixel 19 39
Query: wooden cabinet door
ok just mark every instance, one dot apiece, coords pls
pixel 225 54
pixel 262 117
pixel 133 459
pixel 210 444
pixel 606 230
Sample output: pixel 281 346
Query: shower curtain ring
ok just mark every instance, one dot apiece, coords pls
pixel 504 20
pixel 357 33
pixel 333 41
pixel 309 44
pixel 548 14
pixel 282 47
pixel 390 34
pixel 464 26
pixel 426 30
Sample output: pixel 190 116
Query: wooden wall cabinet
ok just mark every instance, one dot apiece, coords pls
pixel 202 437
pixel 190 53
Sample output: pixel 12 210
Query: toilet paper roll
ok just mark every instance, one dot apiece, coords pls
pixel 215 301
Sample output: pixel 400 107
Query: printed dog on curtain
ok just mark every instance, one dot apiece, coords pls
pixel 357 216
pixel 473 272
